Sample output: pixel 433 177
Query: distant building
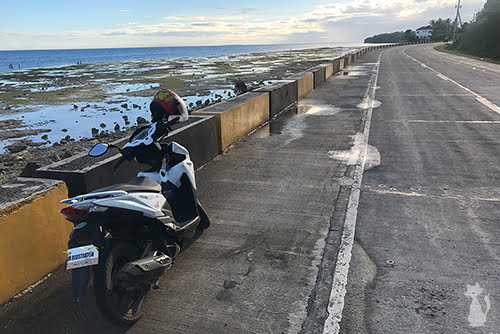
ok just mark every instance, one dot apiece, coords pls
pixel 424 32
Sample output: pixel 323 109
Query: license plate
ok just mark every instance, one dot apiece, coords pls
pixel 82 256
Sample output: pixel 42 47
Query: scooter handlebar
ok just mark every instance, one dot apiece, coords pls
pixel 129 155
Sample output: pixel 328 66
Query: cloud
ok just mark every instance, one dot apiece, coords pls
pixel 398 9
pixel 331 22
pixel 241 14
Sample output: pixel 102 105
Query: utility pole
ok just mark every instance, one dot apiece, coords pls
pixel 458 19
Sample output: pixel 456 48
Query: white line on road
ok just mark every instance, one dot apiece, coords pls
pixel 458 59
pixel 444 196
pixel 478 97
pixel 337 294
pixel 440 121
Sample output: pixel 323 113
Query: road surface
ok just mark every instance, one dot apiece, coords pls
pixel 427 251
pixel 380 186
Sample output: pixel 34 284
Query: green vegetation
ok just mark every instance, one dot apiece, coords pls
pixel 392 37
pixel 449 49
pixel 410 36
pixel 481 37
pixel 441 29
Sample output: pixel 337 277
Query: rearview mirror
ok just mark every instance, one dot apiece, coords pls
pixel 98 149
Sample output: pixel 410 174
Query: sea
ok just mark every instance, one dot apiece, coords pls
pixel 79 117
pixel 27 59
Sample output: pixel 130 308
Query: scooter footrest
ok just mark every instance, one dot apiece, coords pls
pixel 177 227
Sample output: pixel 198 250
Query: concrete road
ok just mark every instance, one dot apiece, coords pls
pixel 295 218
pixel 277 201
pixel 426 257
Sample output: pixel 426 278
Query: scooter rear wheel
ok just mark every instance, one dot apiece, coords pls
pixel 117 304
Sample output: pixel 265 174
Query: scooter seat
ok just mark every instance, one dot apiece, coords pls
pixel 137 184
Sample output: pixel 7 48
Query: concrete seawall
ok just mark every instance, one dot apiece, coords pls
pixel 83 174
pixel 33 234
pixel 238 116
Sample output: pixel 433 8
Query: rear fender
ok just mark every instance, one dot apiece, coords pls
pixel 80 278
pixel 83 234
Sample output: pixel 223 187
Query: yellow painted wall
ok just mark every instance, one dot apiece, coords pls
pixel 342 65
pixel 328 71
pixel 233 124
pixel 305 85
pixel 33 236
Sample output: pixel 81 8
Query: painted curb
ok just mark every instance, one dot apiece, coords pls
pixel 238 116
pixel 33 235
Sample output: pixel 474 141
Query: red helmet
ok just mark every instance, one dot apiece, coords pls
pixel 167 104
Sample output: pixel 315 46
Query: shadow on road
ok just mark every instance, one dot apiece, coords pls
pixel 50 309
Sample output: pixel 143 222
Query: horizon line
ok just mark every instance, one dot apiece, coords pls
pixel 177 46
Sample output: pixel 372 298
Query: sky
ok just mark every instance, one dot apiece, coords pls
pixel 70 24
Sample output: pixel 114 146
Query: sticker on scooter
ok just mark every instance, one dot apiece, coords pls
pixel 83 256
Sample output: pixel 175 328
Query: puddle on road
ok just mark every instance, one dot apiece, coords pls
pixel 291 123
pixel 309 107
pixel 373 158
pixel 353 155
pixel 369 103
pixel 348 73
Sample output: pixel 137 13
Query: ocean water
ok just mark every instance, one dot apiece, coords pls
pixel 27 59
pixel 114 88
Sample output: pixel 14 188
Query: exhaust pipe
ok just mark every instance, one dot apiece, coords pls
pixel 144 271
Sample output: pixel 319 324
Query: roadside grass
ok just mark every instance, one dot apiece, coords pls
pixel 447 49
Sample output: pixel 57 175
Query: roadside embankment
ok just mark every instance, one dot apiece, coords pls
pixel 33 233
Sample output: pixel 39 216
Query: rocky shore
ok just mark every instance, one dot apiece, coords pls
pixel 49 114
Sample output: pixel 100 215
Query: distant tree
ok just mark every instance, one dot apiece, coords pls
pixel 393 37
pixel 441 29
pixel 482 37
pixel 410 36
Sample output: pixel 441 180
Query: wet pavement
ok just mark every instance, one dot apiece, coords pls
pixel 426 253
pixel 277 200
pixel 301 218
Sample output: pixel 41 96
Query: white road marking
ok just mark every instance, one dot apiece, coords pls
pixel 337 294
pixel 444 196
pixel 458 59
pixel 441 121
pixel 478 97
pixel 458 122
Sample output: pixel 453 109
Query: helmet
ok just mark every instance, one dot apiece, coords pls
pixel 167 104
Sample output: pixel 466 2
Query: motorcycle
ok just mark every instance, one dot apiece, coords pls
pixel 127 235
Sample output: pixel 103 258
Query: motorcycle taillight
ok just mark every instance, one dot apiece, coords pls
pixel 75 213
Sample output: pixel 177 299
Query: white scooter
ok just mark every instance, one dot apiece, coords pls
pixel 128 234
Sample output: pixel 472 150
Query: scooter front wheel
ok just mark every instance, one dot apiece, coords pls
pixel 117 304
